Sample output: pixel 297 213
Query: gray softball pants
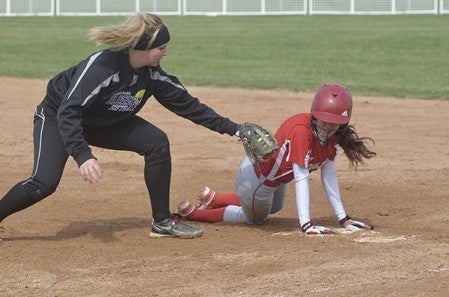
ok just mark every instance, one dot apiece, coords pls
pixel 257 199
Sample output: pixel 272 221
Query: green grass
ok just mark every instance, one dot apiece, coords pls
pixel 405 56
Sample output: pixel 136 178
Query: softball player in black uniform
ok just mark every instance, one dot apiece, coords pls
pixel 95 103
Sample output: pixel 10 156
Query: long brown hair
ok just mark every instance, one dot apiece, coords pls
pixel 354 146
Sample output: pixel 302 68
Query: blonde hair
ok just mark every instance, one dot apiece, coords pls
pixel 126 34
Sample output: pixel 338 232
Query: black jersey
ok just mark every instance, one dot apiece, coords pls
pixel 104 89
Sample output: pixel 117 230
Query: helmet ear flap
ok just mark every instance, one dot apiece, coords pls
pixel 313 121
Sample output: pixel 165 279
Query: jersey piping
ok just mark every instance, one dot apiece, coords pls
pixel 104 84
pixel 157 76
pixel 89 63
pixel 42 116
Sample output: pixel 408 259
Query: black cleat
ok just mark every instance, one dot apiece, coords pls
pixel 172 227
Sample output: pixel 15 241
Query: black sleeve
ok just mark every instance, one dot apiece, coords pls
pixel 172 95
pixel 85 80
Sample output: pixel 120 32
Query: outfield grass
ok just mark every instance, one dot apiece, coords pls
pixel 405 56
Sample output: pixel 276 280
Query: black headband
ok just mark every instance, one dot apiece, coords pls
pixel 163 36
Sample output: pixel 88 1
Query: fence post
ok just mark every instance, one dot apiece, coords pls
pixel 8 7
pixel 98 7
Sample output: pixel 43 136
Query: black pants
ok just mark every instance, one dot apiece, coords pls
pixel 50 157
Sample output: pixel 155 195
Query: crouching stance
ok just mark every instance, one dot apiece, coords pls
pixel 95 103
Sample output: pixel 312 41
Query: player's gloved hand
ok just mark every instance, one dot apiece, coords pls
pixel 352 225
pixel 310 229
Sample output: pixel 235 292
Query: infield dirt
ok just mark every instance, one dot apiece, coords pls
pixel 93 240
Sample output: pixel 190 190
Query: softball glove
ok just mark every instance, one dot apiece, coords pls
pixel 258 142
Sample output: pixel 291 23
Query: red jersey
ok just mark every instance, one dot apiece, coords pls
pixel 297 145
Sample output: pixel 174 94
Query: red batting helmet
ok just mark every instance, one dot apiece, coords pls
pixel 333 104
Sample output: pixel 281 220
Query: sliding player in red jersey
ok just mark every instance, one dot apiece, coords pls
pixel 307 142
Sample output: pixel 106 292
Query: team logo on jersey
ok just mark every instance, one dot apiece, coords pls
pixel 125 101
pixel 139 96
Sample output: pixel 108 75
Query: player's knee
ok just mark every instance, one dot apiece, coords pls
pixel 158 154
pixel 255 215
pixel 275 209
pixel 38 190
pixel 258 220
